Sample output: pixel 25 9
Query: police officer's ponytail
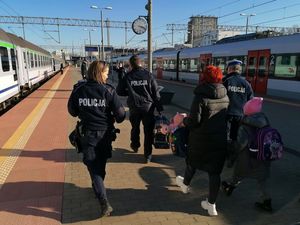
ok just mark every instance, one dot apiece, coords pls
pixel 98 71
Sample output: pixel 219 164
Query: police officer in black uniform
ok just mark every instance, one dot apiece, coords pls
pixel 239 92
pixel 143 97
pixel 83 69
pixel 97 106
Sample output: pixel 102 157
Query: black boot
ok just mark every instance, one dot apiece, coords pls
pixel 105 207
pixel 266 205
pixel 227 188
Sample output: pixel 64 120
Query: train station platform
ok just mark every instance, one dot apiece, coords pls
pixel 43 181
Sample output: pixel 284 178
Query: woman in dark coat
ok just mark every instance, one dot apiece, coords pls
pixel 207 139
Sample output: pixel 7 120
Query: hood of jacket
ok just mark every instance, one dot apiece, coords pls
pixel 257 120
pixel 212 91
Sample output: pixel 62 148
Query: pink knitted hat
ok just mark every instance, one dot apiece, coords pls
pixel 253 106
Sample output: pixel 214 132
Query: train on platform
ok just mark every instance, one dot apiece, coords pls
pixel 23 66
pixel 271 65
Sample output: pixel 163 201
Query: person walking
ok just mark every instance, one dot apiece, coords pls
pixel 143 97
pixel 245 165
pixel 97 105
pixel 207 135
pixel 239 92
pixel 83 68
pixel 120 71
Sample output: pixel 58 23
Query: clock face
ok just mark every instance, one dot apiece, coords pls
pixel 139 26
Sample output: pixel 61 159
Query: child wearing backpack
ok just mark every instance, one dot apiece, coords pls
pixel 253 160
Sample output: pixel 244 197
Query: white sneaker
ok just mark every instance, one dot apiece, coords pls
pixel 184 188
pixel 211 208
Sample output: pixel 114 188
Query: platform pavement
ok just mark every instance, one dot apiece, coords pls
pixel 144 194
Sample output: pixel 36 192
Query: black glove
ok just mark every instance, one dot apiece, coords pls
pixel 114 133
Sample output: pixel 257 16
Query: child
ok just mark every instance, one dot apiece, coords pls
pixel 245 165
pixel 178 135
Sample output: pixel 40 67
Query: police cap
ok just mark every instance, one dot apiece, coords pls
pixel 234 62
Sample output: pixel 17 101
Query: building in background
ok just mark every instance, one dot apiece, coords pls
pixel 199 26
pixel 203 30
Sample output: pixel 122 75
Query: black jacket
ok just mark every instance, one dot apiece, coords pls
pixel 239 92
pixel 121 72
pixel 142 91
pixel 97 105
pixel 207 124
pixel 247 166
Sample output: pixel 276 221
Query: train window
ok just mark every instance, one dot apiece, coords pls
pixel 251 66
pixel 193 65
pixel 154 64
pixel 4 59
pixel 285 60
pixel 183 65
pixel 28 60
pixel 171 65
pixel 165 65
pixel 24 58
pixel 31 60
pixel 262 66
pixel 285 66
pixel 221 63
pixel 13 58
pixel 35 61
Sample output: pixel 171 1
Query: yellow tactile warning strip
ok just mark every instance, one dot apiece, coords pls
pixel 18 140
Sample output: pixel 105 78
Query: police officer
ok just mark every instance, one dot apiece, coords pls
pixel 239 92
pixel 121 71
pixel 83 69
pixel 143 97
pixel 97 106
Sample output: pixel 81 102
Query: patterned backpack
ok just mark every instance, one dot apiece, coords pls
pixel 267 145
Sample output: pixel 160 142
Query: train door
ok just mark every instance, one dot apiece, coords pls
pixel 205 60
pixel 20 61
pixel 257 70
pixel 159 68
pixel 24 65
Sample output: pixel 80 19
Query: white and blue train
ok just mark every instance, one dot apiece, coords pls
pixel 271 65
pixel 23 65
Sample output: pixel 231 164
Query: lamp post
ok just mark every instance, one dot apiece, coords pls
pixel 247 21
pixel 101 15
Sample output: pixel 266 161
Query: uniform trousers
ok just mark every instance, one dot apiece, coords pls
pixel 233 123
pixel 96 148
pixel 148 121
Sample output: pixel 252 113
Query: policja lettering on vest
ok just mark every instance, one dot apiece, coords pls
pixel 139 83
pixel 236 89
pixel 91 102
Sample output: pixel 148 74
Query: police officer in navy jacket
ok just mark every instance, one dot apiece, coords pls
pixel 97 105
pixel 239 92
pixel 143 97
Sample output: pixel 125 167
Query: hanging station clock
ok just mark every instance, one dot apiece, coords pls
pixel 139 25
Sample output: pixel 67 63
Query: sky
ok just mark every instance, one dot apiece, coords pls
pixel 280 13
